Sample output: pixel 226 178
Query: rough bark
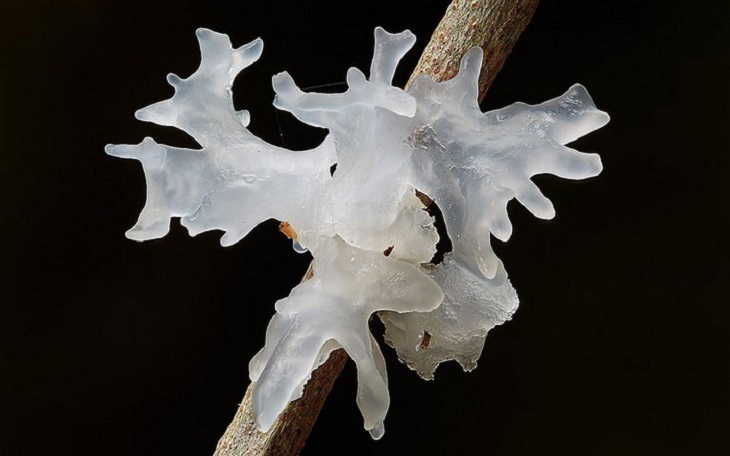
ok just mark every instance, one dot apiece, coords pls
pixel 290 431
pixel 495 26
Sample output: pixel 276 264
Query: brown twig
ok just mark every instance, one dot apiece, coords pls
pixel 495 26
pixel 290 431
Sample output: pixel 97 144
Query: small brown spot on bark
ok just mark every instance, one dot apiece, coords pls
pixel 425 341
pixel 288 231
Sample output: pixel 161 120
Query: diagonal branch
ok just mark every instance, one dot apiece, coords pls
pixel 495 26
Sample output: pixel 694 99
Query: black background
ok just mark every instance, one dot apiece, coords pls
pixel 620 345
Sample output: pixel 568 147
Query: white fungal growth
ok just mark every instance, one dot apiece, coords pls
pixel 348 286
pixel 368 232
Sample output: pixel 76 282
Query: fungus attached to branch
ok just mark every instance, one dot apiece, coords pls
pixel 365 225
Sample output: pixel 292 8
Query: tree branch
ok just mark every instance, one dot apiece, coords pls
pixel 495 26
pixel 290 431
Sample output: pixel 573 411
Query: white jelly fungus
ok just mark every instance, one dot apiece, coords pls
pixel 368 232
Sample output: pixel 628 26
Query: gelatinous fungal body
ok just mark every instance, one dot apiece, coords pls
pixel 368 232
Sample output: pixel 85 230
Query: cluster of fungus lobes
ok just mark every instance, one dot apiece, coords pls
pixel 368 232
